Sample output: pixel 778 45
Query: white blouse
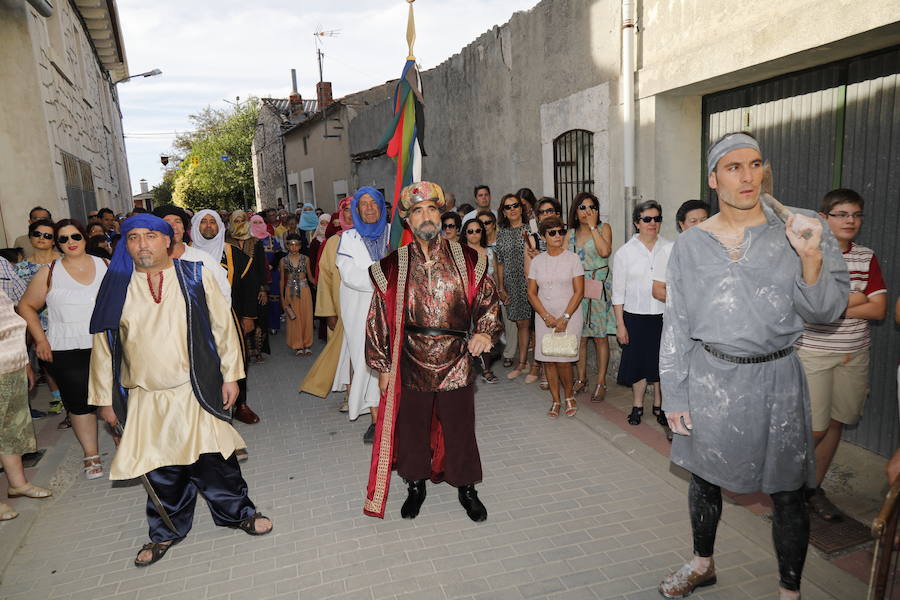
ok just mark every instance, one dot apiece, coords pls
pixel 70 306
pixel 633 276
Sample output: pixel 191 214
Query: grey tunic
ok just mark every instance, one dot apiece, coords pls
pixel 751 422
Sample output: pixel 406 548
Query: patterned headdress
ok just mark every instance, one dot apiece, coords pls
pixel 419 192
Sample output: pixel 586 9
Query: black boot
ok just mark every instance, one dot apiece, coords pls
pixel 468 497
pixel 410 508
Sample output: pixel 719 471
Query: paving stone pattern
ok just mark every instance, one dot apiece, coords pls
pixel 570 517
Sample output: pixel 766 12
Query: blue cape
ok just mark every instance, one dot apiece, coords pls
pixel 111 296
pixel 369 231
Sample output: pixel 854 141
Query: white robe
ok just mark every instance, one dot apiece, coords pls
pixel 356 294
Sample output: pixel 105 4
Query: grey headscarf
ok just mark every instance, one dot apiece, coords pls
pixel 732 141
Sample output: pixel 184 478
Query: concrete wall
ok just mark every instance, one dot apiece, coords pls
pixel 325 161
pixel 56 98
pixel 268 160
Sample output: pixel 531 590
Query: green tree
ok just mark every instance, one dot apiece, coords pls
pixel 162 193
pixel 217 170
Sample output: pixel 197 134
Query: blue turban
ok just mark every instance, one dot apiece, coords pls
pixel 369 231
pixel 308 219
pixel 111 296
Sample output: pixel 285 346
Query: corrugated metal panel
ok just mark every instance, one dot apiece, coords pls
pixel 836 124
pixel 871 166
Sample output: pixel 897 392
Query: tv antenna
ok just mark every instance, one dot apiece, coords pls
pixel 319 34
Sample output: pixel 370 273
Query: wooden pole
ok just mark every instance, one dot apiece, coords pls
pixel 411 31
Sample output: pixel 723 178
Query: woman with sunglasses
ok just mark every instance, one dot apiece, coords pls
pixel 40 235
pixel 450 225
pixel 555 289
pixel 511 283
pixel 475 236
pixel 68 287
pixel 638 313
pixel 591 240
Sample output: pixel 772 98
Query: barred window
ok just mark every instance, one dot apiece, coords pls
pixel 573 165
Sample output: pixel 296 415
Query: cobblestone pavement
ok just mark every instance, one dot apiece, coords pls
pixel 570 517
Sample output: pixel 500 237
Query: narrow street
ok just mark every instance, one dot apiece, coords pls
pixel 571 516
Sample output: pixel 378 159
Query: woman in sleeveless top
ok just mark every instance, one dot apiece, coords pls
pixel 68 287
pixel 297 299
pixel 591 240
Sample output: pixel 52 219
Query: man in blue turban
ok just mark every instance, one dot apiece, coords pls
pixel 166 357
pixel 366 243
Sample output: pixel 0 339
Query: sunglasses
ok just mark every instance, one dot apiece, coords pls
pixel 46 236
pixel 547 211
pixel 648 219
pixel 512 205
pixel 556 232
pixel 486 223
pixel 473 231
pixel 586 207
pixel 448 226
pixel 77 237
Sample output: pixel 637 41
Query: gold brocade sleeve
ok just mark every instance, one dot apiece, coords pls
pixel 223 330
pixel 378 347
pixel 486 313
pixel 101 377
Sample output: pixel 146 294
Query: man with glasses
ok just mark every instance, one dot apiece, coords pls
pixel 835 355
pixel 450 224
pixel 38 213
pixel 739 287
pixel 482 202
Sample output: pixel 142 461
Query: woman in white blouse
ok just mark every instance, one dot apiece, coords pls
pixel 638 313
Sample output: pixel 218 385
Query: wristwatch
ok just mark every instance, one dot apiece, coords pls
pixel 593 228
pixel 567 316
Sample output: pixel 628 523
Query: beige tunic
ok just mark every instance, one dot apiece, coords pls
pixel 166 425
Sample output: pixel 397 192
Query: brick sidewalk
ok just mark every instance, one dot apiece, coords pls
pixel 571 516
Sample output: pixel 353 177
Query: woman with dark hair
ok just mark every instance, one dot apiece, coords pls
pixel 529 202
pixel 511 283
pixel 451 224
pixel 475 236
pixel 68 287
pixel 591 240
pixel 294 278
pixel 638 313
pixel 94 229
pixel 555 288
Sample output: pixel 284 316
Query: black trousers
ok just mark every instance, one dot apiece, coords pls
pixel 456 412
pixel 219 480
pixel 71 369
pixel 790 527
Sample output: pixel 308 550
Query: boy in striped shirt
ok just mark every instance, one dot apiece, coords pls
pixel 835 355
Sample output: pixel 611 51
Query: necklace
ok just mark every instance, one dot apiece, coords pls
pixel 156 297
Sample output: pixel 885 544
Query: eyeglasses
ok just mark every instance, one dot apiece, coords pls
pixel 586 207
pixel 547 211
pixel 474 231
pixel 512 205
pixel 556 232
pixel 446 226
pixel 485 223
pixel 46 236
pixel 844 216
pixel 657 219
pixel 65 238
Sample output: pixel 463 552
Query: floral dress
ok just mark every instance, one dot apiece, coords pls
pixel 599 318
pixel 510 252
pixel 26 271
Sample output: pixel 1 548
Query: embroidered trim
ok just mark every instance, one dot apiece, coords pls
pixel 383 471
pixel 378 276
pixel 480 267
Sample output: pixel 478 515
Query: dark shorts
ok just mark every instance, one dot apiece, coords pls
pixel 71 370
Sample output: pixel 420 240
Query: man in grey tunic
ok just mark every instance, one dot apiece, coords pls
pixel 740 286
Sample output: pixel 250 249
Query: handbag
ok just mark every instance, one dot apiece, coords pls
pixel 593 289
pixel 560 344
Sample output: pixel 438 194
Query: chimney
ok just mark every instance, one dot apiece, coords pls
pixel 323 94
pixel 143 184
pixel 294 80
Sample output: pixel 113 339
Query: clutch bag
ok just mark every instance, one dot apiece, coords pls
pixel 559 344
pixel 593 289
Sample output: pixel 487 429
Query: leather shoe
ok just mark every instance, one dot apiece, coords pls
pixel 685 580
pixel 468 497
pixel 410 508
pixel 243 414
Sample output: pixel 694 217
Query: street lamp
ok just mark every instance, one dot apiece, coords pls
pixel 152 73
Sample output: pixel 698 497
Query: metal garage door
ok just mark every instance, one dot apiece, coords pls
pixel 837 125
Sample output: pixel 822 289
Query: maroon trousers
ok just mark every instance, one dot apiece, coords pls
pixel 456 412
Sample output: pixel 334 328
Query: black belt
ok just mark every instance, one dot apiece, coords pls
pixel 436 331
pixel 749 360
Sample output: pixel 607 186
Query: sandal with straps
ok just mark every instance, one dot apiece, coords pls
pixel 571 407
pixel 517 371
pixel 489 377
pixel 636 413
pixel 599 393
pixel 578 386
pixel 157 551
pixel 248 525
pixel 94 470
pixel 554 410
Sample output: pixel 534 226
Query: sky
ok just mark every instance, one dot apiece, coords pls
pixel 210 52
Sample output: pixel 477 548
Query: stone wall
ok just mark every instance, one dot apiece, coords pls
pixel 268 160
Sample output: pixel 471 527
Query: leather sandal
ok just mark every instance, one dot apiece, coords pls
pixel 517 371
pixel 554 410
pixel 157 551
pixel 489 377
pixel 544 385
pixel 578 386
pixel 248 525
pixel 660 415
pixel 93 470
pixel 507 363
pixel 599 394
pixel 636 413
pixel 571 407
pixel 7 513
pixel 533 375
pixel 29 490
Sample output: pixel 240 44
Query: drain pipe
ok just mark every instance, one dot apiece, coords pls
pixel 628 142
pixel 43 7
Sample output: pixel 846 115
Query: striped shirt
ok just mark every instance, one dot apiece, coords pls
pixel 848 335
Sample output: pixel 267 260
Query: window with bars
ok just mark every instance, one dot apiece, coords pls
pixel 79 187
pixel 573 165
